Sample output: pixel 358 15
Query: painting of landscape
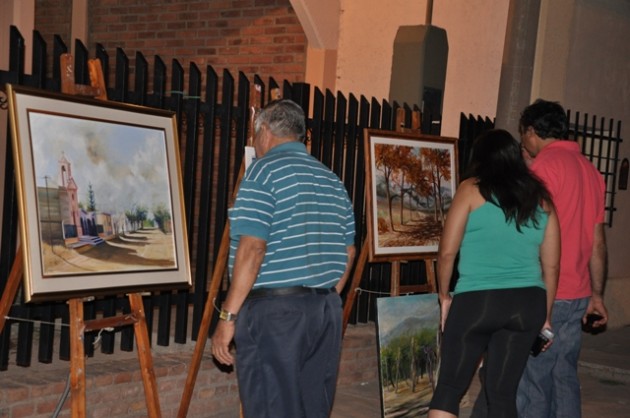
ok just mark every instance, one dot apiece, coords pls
pixel 412 182
pixel 408 353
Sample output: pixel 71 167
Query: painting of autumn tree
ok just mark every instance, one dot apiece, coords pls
pixel 412 184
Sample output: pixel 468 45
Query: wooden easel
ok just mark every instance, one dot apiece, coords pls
pixel 79 326
pixel 395 289
pixel 218 272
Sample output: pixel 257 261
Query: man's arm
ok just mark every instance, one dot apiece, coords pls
pixel 249 258
pixel 342 282
pixel 550 259
pixel 597 266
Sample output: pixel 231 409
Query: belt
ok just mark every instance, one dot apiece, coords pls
pixel 264 292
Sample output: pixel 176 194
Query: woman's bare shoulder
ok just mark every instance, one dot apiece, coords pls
pixel 469 191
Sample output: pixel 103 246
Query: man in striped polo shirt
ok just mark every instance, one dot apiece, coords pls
pixel 291 249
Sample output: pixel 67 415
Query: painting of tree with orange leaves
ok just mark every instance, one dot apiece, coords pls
pixel 411 182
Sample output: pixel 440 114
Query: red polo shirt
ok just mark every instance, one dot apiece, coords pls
pixel 578 192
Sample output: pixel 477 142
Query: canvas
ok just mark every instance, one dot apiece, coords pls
pixel 408 341
pixel 99 189
pixel 411 180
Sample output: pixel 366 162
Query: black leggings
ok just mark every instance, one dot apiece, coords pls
pixel 502 322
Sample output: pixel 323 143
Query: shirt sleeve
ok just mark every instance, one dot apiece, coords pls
pixel 253 211
pixel 350 224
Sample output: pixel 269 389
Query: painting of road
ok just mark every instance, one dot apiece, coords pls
pixel 103 196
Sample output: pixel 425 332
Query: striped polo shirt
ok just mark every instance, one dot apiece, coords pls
pixel 302 210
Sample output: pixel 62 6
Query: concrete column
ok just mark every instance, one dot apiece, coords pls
pixel 320 21
pixel 518 63
pixel 79 22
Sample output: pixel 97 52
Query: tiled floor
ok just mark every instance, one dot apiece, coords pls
pixel 604 376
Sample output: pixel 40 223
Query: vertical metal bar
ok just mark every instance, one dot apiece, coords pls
pixel 329 127
pixel 223 186
pixel 204 233
pixel 81 56
pixel 139 96
pixel 189 145
pixel 121 85
pixel 158 98
pixel 340 133
pixel 102 56
pixel 350 149
pixel 242 124
pixel 316 126
pixel 38 73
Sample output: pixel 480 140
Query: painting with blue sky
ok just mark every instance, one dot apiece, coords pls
pixel 100 195
pixel 125 164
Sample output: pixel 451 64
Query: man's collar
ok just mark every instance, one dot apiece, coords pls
pixel 295 146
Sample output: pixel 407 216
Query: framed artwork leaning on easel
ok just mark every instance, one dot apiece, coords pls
pixel 411 180
pixel 99 195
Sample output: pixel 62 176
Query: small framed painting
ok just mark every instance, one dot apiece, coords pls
pixel 411 181
pixel 408 342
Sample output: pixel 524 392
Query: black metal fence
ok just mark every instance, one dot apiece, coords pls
pixel 213 124
pixel 599 139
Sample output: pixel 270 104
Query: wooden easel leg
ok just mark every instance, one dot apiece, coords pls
pixel 429 265
pixel 204 327
pixel 356 279
pixel 13 282
pixel 144 355
pixel 215 282
pixel 395 279
pixel 77 359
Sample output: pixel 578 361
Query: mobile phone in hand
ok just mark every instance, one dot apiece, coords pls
pixel 590 320
pixel 543 338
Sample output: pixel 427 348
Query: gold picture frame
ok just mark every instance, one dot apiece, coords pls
pixel 99 192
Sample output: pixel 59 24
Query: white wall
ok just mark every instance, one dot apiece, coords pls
pixel 476 34
pixel 598 83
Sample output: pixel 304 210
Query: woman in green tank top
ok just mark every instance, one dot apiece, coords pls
pixel 504 227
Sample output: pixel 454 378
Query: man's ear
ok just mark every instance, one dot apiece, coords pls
pixel 263 141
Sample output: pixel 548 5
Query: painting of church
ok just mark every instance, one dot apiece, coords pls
pixel 62 220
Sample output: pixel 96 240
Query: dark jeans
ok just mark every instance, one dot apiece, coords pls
pixel 550 387
pixel 287 355
pixel 502 322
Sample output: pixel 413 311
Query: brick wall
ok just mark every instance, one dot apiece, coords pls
pixel 261 37
pixel 115 390
pixel 54 17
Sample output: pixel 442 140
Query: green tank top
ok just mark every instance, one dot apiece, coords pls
pixel 495 255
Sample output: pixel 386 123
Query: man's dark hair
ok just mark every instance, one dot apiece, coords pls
pixel 548 119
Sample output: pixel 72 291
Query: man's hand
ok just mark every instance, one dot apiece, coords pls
pixel 596 306
pixel 221 340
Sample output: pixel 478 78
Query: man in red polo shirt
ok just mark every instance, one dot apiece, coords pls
pixel 550 386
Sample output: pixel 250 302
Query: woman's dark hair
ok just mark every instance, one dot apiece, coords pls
pixel 504 179
pixel 548 119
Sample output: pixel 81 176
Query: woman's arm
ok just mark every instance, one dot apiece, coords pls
pixel 451 240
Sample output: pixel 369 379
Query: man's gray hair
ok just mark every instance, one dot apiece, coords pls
pixel 284 117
